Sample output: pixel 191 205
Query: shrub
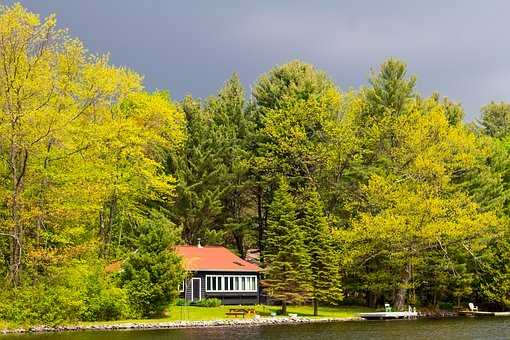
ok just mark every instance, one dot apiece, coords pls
pixel 180 302
pixel 37 304
pixel 209 302
pixel 78 292
pixel 108 304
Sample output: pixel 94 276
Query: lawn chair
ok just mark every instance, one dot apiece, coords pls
pixel 472 307
pixel 387 307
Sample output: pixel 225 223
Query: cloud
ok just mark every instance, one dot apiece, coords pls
pixel 459 48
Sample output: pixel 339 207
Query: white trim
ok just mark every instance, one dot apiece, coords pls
pixel 199 288
pixel 181 286
pixel 225 270
pixel 225 281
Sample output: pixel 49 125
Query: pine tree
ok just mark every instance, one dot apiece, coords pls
pixel 232 128
pixel 200 173
pixel 214 189
pixel 324 260
pixel 288 263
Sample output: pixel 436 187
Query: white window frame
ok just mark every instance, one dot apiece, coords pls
pixel 225 283
pixel 181 286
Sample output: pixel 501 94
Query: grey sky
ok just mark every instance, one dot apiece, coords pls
pixel 459 48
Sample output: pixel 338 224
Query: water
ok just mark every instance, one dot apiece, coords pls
pixel 461 328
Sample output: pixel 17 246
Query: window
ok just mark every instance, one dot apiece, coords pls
pixel 231 283
pixel 181 286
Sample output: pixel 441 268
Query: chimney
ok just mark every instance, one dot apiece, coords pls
pixel 199 245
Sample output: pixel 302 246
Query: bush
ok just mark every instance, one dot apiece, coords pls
pixel 180 302
pixel 209 302
pixel 108 304
pixel 77 292
pixel 36 304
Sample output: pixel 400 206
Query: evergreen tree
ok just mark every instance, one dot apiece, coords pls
pixel 292 106
pixel 152 274
pixel 233 129
pixel 288 264
pixel 324 259
pixel 200 173
pixel 391 89
pixel 214 194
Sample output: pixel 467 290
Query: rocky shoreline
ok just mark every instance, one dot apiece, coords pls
pixel 177 324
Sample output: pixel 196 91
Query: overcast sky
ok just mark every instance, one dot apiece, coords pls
pixel 459 48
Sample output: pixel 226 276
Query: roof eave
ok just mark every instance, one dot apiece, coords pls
pixel 224 270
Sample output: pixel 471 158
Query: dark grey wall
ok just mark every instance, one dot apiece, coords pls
pixel 227 298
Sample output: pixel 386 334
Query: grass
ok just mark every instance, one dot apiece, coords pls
pixel 212 313
pixel 196 313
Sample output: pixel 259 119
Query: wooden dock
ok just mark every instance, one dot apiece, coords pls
pixel 389 315
pixel 480 313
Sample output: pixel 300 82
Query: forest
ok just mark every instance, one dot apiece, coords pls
pixel 353 196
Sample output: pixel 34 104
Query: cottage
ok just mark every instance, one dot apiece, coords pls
pixel 216 272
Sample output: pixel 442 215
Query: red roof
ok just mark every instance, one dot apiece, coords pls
pixel 213 258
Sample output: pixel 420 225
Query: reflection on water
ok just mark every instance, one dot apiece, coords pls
pixel 460 328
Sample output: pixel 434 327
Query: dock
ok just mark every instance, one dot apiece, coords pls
pixel 388 315
pixel 477 313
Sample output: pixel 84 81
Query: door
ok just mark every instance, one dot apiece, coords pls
pixel 196 294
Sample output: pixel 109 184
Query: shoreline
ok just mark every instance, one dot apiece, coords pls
pixel 181 324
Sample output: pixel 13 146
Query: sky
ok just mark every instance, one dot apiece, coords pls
pixel 458 48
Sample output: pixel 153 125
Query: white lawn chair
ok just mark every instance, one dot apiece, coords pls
pixel 472 307
pixel 387 307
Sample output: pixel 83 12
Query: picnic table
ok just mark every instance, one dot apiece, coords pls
pixel 240 312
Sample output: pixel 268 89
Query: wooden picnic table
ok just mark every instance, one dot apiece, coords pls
pixel 240 312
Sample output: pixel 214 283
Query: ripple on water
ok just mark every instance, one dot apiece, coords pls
pixel 458 328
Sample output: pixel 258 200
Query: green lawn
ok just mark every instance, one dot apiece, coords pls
pixel 211 313
pixel 176 313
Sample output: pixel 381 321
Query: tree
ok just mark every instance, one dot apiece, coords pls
pixel 489 185
pixel 233 129
pixel 51 94
pixel 200 172
pixel 413 211
pixel 215 192
pixel 288 264
pixel 290 82
pixel 293 103
pixel 324 258
pixel 133 142
pixel 390 90
pixel 453 111
pixel 495 119
pixel 153 272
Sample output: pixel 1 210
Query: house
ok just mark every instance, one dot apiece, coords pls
pixel 216 272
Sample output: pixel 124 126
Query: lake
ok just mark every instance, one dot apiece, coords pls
pixel 455 328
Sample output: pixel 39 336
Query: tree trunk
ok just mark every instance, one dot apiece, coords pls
pixel 18 162
pixel 284 307
pixel 15 256
pixel 315 307
pixel 239 239
pixel 260 220
pixel 106 225
pixel 400 298
pixel 372 299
